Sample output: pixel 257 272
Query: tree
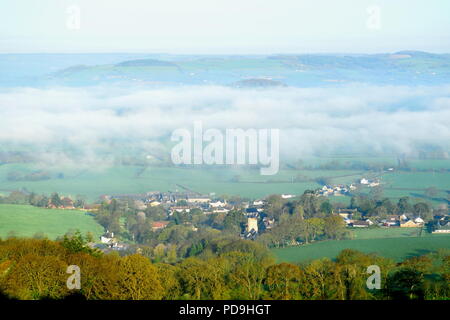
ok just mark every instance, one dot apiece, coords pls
pixel 310 203
pixel 406 283
pixel 404 206
pixel 37 277
pixel 201 279
pixel 422 210
pixel 326 208
pixel 367 206
pixel 234 221
pixel 43 202
pixel 316 227
pixel 380 212
pixel 138 279
pixel 387 203
pixel 168 278
pixel 75 243
pixel 354 202
pixel 322 281
pixel 79 203
pixel 334 227
pixel 298 211
pixel 109 214
pixel 283 281
pixel 247 276
pixel 99 276
pixel 17 197
pixel 275 206
pixel 56 200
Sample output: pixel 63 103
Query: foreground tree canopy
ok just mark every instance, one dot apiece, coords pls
pixel 36 269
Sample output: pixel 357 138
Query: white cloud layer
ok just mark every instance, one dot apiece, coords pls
pixel 311 121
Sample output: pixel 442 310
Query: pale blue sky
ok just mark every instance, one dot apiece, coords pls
pixel 225 26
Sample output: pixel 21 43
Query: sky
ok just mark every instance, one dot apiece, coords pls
pixel 224 26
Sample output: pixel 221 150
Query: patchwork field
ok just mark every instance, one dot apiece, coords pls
pixel 232 181
pixel 397 248
pixel 134 179
pixel 26 221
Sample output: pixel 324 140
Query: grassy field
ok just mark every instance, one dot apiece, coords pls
pixel 397 248
pixel 413 185
pixel 25 221
pixel 378 233
pixel 133 179
pixel 417 180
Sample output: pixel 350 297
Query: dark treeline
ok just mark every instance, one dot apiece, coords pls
pixel 36 269
pixel 41 200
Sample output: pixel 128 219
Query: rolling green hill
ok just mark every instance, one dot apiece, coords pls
pixel 26 221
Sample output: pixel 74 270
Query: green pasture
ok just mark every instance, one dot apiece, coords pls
pixel 133 179
pixel 94 182
pixel 26 221
pixel 398 248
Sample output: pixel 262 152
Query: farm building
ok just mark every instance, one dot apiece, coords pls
pixel 347 213
pixel 198 199
pixel 442 226
pixel 360 224
pixel 410 224
pixel 217 204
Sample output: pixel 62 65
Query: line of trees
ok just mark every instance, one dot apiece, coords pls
pixel 382 207
pixel 42 200
pixel 36 269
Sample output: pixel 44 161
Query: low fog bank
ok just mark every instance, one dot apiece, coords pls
pixel 90 126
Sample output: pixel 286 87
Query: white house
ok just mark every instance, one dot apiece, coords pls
pixel 217 204
pixel 364 181
pixel 108 238
pixel 221 210
pixel 418 220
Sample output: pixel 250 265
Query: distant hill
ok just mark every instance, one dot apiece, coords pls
pixel 73 69
pixel 258 83
pixel 296 70
pixel 146 63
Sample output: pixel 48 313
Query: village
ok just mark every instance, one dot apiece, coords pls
pixel 257 220
pixel 254 214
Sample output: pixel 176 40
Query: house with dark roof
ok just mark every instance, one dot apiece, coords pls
pixel 441 226
pixel 360 224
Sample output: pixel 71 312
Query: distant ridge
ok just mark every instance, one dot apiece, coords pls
pixel 258 83
pixel 146 63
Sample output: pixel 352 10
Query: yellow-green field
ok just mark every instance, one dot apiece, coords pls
pixel 26 221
